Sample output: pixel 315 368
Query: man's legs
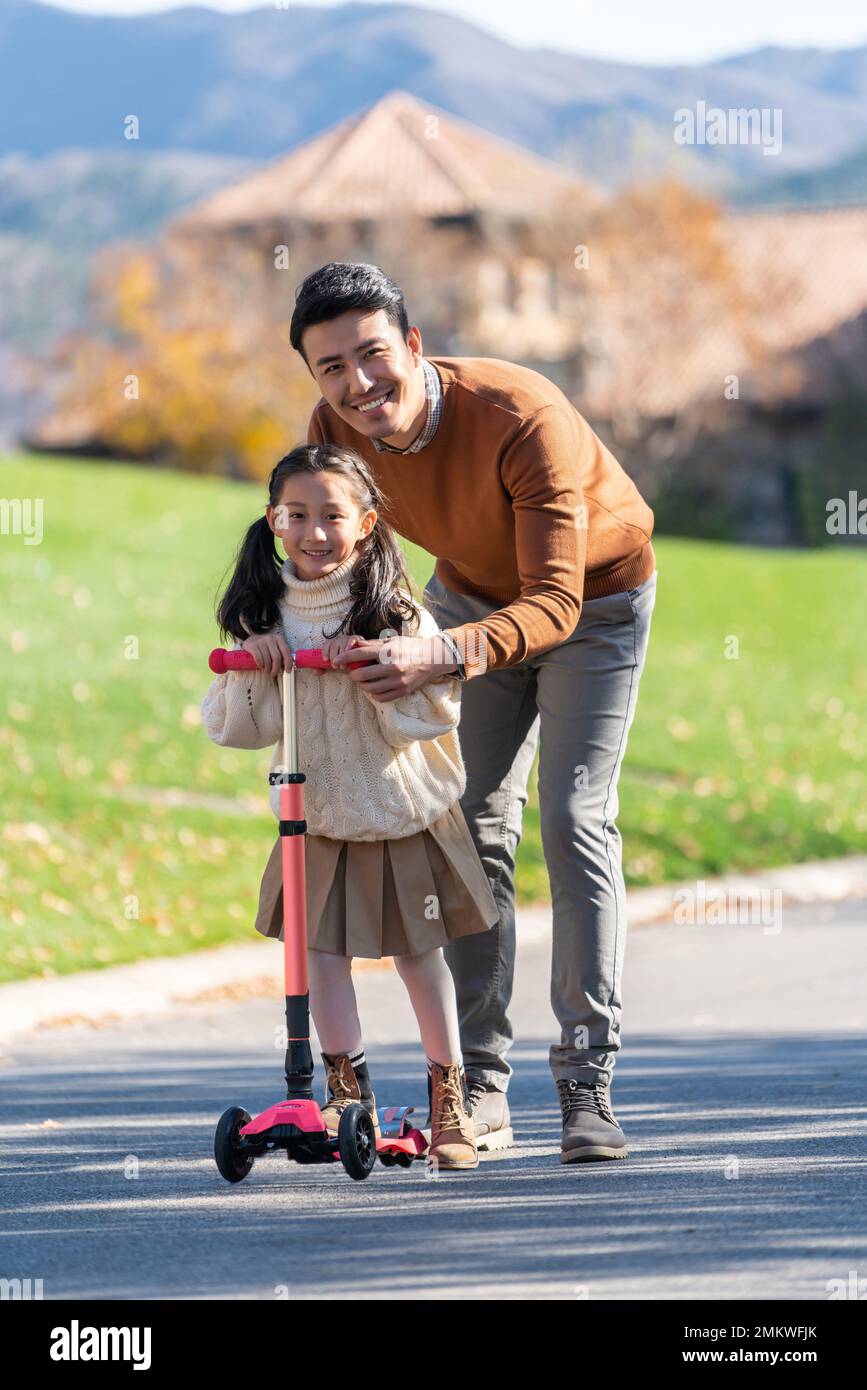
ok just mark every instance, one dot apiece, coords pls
pixel 587 694
pixel 584 693
pixel 498 733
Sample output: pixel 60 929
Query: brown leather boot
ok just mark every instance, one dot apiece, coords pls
pixel 452 1137
pixel 345 1083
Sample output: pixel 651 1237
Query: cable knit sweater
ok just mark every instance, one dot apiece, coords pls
pixel 375 769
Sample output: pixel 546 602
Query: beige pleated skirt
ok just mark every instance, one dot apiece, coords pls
pixel 375 898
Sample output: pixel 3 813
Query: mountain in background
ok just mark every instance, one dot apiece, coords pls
pixel 844 182
pixel 254 85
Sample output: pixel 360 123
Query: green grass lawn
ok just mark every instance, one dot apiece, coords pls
pixel 128 833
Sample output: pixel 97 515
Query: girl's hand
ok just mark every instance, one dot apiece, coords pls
pixel 271 651
pixel 336 646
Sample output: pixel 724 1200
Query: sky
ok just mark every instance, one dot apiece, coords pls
pixel 634 31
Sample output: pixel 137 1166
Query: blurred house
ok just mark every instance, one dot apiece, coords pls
pixel 710 348
pixel 757 416
pixel 471 226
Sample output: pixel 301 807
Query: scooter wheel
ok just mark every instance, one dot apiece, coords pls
pixel 403 1160
pixel 356 1141
pixel 387 1160
pixel 233 1166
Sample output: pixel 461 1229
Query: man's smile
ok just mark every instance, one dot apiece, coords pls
pixel 374 403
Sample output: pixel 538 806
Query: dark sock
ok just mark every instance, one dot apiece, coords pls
pixel 359 1066
pixel 364 1086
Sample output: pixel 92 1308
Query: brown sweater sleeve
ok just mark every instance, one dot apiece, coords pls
pixel 541 470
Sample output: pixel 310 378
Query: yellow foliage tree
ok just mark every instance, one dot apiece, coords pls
pixel 665 299
pixel 191 368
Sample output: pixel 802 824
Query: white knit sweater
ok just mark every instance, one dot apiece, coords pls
pixel 375 769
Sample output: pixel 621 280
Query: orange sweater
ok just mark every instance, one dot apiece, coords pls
pixel 518 499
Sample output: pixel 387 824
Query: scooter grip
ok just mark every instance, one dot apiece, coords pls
pixel 221 660
pixel 312 658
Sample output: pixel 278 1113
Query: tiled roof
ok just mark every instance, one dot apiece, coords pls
pixel 401 155
pixel 801 279
pixel 806 269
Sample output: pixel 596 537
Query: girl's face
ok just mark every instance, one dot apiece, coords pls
pixel 319 522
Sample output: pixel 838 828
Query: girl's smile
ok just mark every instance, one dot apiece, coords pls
pixel 318 522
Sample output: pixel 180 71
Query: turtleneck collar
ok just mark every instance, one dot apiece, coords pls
pixel 330 589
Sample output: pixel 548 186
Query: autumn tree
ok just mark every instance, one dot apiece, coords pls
pixel 190 362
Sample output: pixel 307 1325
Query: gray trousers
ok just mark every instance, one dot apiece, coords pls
pixel 580 696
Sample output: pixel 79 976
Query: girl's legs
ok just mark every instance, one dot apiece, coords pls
pixel 332 1003
pixel 431 991
pixel 335 1014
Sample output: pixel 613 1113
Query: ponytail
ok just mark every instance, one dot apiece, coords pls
pixel 251 602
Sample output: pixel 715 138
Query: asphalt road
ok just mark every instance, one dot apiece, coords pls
pixel 741 1086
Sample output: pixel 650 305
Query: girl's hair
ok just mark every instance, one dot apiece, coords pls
pixel 256 587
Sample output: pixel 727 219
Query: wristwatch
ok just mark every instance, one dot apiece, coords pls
pixel 452 645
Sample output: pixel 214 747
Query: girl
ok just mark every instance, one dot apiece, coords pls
pixel 391 867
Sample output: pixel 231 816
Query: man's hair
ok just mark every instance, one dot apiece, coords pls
pixel 338 288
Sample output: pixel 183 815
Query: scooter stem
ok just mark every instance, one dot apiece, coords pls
pixel 293 827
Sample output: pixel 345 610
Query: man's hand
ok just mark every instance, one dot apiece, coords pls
pixel 335 646
pixel 404 664
pixel 271 651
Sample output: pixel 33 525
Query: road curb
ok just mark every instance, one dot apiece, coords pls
pixel 100 998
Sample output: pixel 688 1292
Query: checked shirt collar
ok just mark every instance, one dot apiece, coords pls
pixel 434 394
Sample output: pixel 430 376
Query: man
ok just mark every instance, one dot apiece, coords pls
pixel 544 586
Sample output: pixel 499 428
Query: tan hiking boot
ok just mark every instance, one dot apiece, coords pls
pixel 452 1138
pixel 344 1084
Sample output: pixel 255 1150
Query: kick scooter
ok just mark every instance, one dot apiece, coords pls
pixel 296 1124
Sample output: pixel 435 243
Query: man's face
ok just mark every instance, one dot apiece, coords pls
pixel 367 373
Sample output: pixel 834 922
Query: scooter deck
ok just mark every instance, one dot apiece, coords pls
pixel 298 1125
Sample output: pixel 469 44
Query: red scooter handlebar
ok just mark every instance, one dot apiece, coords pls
pixel 222 660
